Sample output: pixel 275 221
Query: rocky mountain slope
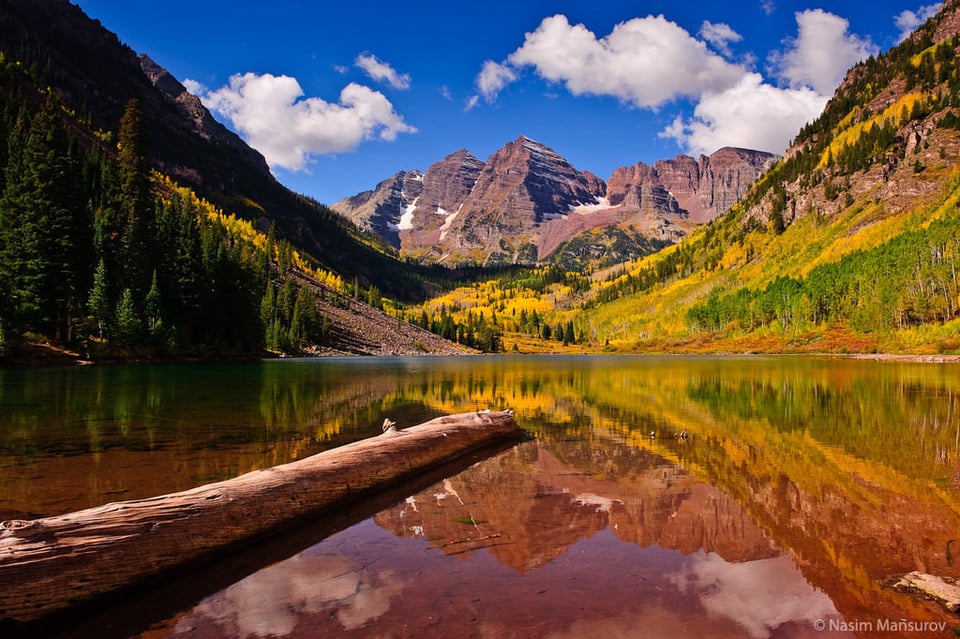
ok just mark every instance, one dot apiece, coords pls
pixel 359 329
pixel 96 75
pixel 526 204
pixel 65 73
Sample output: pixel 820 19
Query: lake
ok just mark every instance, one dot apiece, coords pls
pixel 655 497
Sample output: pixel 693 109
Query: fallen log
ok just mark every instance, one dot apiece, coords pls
pixel 48 565
pixel 947 593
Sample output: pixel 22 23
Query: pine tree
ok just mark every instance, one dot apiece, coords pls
pixel 186 309
pixel 268 306
pixel 307 316
pixel 99 300
pixel 128 325
pixel 14 237
pixel 41 242
pixel 275 340
pixel 153 309
pixel 136 201
pixel 267 255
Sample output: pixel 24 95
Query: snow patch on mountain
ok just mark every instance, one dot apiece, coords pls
pixel 601 204
pixel 447 222
pixel 406 220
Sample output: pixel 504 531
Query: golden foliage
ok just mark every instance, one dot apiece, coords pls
pixel 244 231
pixel 893 114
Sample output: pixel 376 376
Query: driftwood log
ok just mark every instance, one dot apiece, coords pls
pixel 947 593
pixel 48 565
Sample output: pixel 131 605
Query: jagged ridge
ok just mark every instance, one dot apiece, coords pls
pixel 526 203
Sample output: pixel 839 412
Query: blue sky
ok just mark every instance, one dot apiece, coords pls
pixel 338 96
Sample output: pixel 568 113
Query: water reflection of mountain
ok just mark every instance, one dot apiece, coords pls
pixel 850 465
pixel 527 507
pixel 850 520
pixel 555 540
pixel 850 468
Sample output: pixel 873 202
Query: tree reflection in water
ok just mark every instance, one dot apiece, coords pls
pixel 801 484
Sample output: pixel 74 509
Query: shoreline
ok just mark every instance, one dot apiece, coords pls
pixel 61 357
pixel 895 357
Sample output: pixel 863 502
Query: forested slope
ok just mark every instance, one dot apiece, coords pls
pixel 100 253
pixel 857 229
pixel 850 243
pixel 132 224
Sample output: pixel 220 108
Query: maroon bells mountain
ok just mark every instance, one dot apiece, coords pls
pixel 527 204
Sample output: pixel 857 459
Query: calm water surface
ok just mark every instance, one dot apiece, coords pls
pixel 656 497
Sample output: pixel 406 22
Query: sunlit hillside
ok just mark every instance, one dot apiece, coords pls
pixel 851 243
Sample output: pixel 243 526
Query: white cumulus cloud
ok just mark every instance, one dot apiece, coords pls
pixel 752 114
pixel 719 35
pixel 822 52
pixel 272 115
pixel 908 20
pixel 756 114
pixel 644 62
pixel 493 77
pixel 380 71
pixel 649 62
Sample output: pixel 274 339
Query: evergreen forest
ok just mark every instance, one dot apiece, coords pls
pixel 100 253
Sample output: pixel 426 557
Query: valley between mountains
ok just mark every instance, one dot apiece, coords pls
pixel 134 225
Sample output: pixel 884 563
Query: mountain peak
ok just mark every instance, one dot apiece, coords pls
pixel 534 148
pixel 464 157
pixel 514 206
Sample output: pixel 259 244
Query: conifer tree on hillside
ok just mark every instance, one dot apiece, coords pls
pixel 44 227
pixel 136 200
pixel 99 301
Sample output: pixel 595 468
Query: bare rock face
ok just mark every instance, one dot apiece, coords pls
pixel 682 177
pixel 446 185
pixel 653 206
pixel 386 209
pixel 727 175
pixel 530 181
pixel 197 117
pixel 595 185
pixel 521 186
pixel 526 203
pixel 697 190
pixel 640 188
